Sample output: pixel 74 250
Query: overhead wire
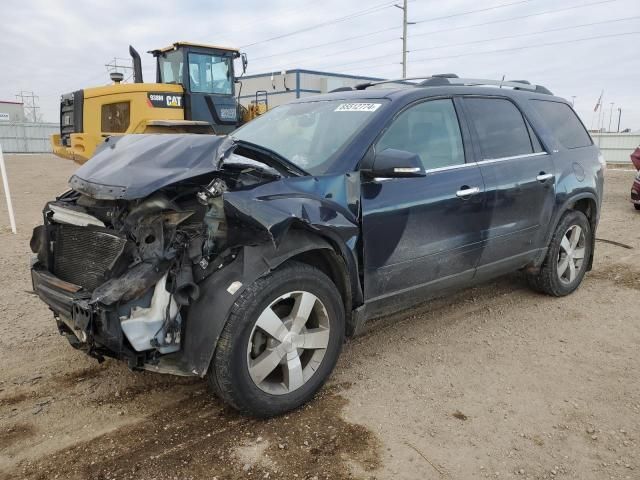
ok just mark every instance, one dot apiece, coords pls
pixel 504 37
pixel 459 14
pixel 524 47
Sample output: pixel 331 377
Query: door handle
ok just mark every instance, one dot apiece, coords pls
pixel 543 177
pixel 467 191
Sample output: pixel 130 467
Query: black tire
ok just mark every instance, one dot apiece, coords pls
pixel 636 206
pixel 547 280
pixel 228 374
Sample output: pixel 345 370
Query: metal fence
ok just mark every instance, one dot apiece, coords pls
pixel 617 147
pixel 25 137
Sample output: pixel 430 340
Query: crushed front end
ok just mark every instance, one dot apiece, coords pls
pixel 144 257
pixel 116 273
pixel 119 266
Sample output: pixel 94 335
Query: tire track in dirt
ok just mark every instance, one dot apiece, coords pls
pixel 199 438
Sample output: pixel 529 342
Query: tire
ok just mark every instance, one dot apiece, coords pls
pixel 245 350
pixel 636 206
pixel 549 280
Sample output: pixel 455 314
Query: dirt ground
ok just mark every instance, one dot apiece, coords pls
pixel 494 382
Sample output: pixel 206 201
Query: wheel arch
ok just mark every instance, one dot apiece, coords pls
pixel 207 317
pixel 586 203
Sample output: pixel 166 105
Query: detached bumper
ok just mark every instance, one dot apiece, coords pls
pixel 91 328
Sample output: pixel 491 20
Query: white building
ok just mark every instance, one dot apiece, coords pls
pixel 282 87
pixel 11 111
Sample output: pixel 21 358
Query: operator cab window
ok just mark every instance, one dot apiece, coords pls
pixel 501 128
pixel 429 129
pixel 171 67
pixel 210 74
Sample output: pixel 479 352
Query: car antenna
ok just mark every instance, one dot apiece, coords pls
pixel 502 80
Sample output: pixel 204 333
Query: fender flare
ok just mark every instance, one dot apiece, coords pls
pixel 564 207
pixel 207 317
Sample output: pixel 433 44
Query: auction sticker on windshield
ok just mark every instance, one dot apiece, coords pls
pixel 357 107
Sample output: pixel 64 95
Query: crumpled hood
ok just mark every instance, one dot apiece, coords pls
pixel 134 166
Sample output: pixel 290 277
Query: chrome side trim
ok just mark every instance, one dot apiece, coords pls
pixel 514 157
pixel 475 164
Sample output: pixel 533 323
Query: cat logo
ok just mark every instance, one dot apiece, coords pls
pixel 174 101
pixel 164 100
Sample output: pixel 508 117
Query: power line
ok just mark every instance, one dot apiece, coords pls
pixel 495 7
pixel 428 59
pixel 538 32
pixel 492 22
pixel 359 13
pixel 459 14
pixel 499 38
pixel 524 47
pixel 327 43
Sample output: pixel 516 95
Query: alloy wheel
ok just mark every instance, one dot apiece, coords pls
pixel 288 342
pixel 571 254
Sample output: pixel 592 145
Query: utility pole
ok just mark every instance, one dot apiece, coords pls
pixel 404 39
pixel 610 115
pixel 619 115
pixel 404 36
pixel 30 105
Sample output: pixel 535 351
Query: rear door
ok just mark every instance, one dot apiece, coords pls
pixel 423 232
pixel 519 179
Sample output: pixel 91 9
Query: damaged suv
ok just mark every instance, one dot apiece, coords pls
pixel 248 259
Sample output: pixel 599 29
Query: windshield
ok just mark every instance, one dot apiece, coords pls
pixel 309 134
pixel 210 74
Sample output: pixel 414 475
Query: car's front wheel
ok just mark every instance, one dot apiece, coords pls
pixel 281 341
pixel 567 256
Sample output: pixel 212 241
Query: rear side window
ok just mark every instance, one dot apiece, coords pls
pixel 563 122
pixel 502 131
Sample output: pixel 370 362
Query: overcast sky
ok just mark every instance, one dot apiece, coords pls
pixel 53 47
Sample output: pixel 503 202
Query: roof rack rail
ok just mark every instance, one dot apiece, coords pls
pixel 407 81
pixel 437 80
pixel 442 79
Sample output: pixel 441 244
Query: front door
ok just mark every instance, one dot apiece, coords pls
pixel 520 183
pixel 423 232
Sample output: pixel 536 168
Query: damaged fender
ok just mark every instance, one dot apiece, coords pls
pixel 208 315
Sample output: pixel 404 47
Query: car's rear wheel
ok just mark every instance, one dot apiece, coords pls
pixel 567 257
pixel 636 206
pixel 281 341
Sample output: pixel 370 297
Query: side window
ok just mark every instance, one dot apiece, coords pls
pixel 501 129
pixel 429 129
pixel 563 122
pixel 535 141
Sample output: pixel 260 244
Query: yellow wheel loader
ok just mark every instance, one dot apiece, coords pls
pixel 194 93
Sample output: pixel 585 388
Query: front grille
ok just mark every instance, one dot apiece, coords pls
pixel 85 256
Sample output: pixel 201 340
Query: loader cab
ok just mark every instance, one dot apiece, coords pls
pixel 207 76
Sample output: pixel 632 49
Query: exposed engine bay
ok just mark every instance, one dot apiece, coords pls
pixel 122 257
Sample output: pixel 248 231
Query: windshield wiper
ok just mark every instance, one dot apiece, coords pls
pixel 284 164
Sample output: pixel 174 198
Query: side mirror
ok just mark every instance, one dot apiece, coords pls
pixel 392 163
pixel 245 62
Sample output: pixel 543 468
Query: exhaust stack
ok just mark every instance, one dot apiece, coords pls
pixel 137 65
